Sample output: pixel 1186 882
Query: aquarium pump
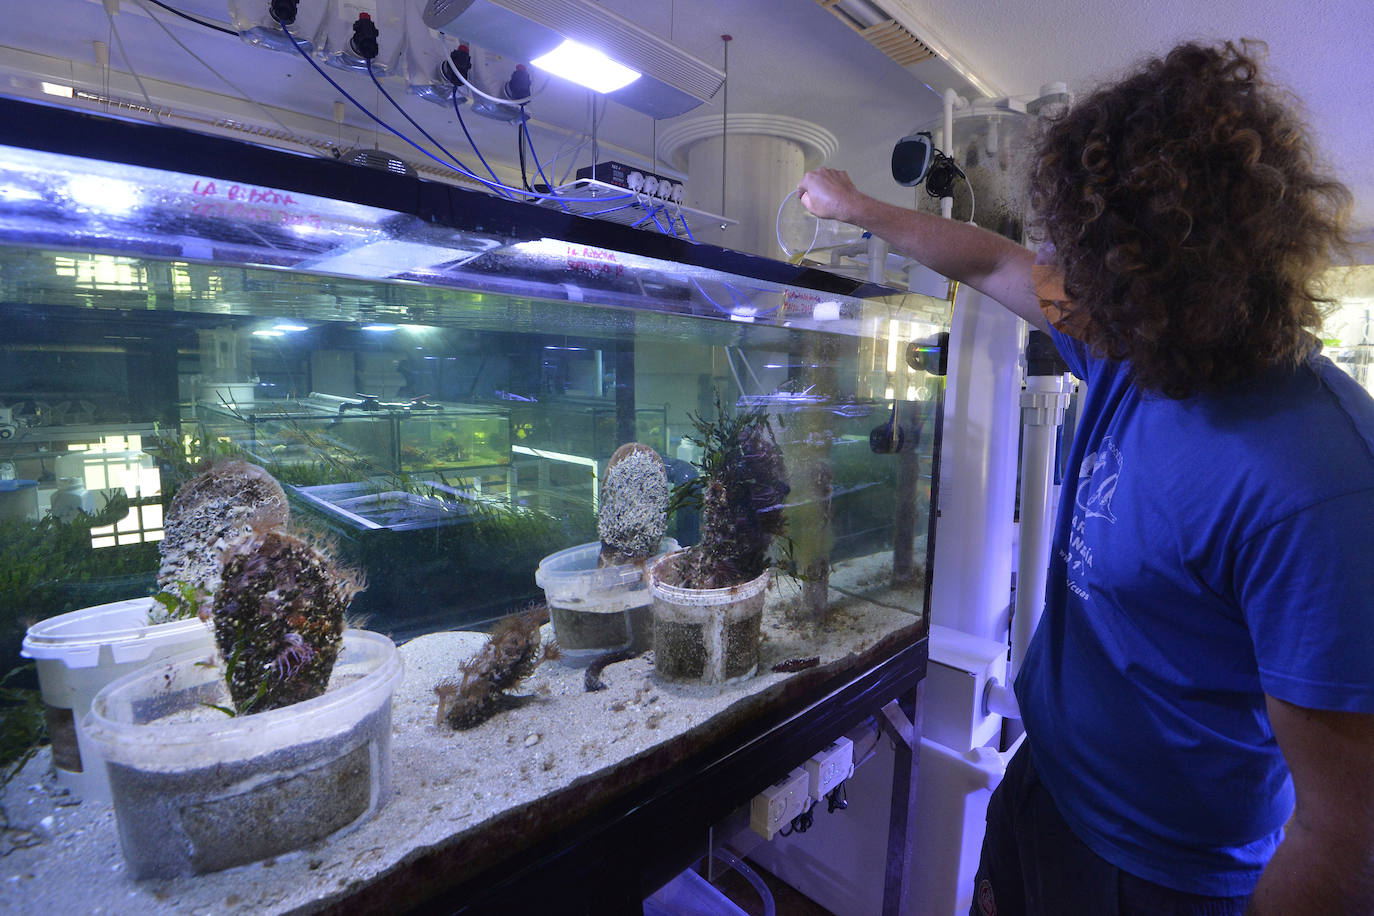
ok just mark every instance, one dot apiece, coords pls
pixel 915 159
pixel 459 64
pixel 284 11
pixel 911 159
pixel 364 42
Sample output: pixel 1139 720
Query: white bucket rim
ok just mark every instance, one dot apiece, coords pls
pixel 702 597
pixel 77 637
pixel 218 740
pixel 552 574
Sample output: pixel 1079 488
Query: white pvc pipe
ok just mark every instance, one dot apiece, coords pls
pixel 951 100
pixel 1042 412
pixel 877 259
pixel 1000 700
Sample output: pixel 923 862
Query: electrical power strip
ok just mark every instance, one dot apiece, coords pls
pixel 641 181
pixel 829 767
pixel 776 806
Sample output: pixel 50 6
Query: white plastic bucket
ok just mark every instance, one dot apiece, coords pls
pixel 707 635
pixel 196 790
pixel 594 609
pixel 80 652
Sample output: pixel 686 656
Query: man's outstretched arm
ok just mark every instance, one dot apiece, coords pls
pixel 991 264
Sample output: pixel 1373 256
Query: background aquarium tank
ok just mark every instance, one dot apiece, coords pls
pixel 437 380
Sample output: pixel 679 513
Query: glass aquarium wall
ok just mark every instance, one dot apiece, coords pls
pixel 440 403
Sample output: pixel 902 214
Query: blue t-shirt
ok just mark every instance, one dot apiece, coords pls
pixel 1207 551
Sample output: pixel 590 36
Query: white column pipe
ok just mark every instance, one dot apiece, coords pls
pixel 971 576
pixel 1042 412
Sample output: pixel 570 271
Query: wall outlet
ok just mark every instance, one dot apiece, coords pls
pixel 776 806
pixel 829 767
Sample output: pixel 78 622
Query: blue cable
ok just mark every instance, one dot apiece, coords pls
pixel 611 209
pixel 733 295
pixel 394 104
pixel 707 296
pixel 525 126
pixel 653 214
pixel 682 216
pixel 448 165
pixel 458 110
pixel 359 105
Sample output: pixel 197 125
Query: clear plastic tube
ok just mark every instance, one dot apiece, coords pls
pixel 735 862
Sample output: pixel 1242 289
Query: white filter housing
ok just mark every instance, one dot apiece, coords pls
pixel 254 23
pixel 426 51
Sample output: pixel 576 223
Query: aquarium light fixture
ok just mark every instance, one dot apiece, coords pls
pixel 56 89
pixel 586 66
pixel 381 327
pixel 551 347
pixel 268 332
pixel 287 326
pixel 671 82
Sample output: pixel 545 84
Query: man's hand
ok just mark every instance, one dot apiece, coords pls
pixel 830 194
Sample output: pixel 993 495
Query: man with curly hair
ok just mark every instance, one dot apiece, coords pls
pixel 1199 698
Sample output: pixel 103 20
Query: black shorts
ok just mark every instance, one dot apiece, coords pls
pixel 1033 865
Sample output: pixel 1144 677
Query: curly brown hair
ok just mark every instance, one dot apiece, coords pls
pixel 1191 219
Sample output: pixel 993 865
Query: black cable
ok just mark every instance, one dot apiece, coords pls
pixel 189 18
pixel 520 146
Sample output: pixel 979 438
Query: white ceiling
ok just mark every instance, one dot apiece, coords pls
pixel 787 57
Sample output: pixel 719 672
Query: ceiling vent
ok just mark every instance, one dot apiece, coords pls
pixel 880 30
pixel 895 28
pixel 671 81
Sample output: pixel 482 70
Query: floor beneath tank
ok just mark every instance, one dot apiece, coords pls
pixel 787 900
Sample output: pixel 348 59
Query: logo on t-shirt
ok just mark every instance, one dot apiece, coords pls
pixel 987 903
pixel 1097 479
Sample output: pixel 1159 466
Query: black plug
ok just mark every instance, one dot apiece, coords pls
pixel 459 63
pixel 364 43
pixel 837 799
pixel 283 11
pixel 941 176
pixel 518 86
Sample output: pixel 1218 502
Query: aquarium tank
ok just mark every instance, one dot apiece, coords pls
pixel 438 380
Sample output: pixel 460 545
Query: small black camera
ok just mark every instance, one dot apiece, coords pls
pixel 911 158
